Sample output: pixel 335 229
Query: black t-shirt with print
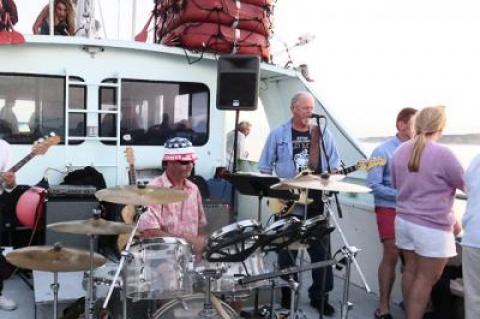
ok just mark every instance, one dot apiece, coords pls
pixel 301 149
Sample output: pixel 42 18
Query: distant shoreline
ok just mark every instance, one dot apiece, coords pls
pixel 466 139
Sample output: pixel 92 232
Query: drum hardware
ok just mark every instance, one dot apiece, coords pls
pixel 139 196
pixel 327 183
pixel 92 228
pixel 54 259
pixel 280 234
pixel 234 242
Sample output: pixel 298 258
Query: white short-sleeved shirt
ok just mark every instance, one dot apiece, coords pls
pixel 4 158
pixel 471 219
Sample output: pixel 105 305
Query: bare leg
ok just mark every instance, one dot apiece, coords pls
pixel 386 274
pixel 408 273
pixel 428 272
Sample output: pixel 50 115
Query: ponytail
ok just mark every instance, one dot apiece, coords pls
pixel 419 146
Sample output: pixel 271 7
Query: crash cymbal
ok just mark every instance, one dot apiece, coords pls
pixel 92 226
pixel 53 259
pixel 140 195
pixel 326 182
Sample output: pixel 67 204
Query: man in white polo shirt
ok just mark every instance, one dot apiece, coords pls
pixel 7 184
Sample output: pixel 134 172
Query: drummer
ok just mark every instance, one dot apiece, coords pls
pixel 184 219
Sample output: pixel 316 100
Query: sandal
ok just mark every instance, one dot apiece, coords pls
pixel 377 315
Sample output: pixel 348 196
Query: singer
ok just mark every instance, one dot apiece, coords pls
pixel 287 152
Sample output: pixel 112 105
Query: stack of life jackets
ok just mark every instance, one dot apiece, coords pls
pixel 218 26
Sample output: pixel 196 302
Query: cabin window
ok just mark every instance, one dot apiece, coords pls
pixel 152 112
pixel 32 106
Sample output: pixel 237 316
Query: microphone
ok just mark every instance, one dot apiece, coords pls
pixel 317 116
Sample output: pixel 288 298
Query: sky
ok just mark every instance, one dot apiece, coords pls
pixel 369 58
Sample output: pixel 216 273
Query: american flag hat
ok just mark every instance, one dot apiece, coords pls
pixel 179 149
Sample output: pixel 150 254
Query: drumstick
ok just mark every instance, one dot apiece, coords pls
pixel 218 306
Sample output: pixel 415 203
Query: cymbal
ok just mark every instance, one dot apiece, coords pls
pixel 92 226
pixel 331 183
pixel 54 259
pixel 140 196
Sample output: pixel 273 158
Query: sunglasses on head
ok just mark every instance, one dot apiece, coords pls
pixel 184 162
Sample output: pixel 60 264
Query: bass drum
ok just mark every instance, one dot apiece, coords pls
pixel 190 307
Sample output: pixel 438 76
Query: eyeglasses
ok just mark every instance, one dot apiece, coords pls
pixel 185 162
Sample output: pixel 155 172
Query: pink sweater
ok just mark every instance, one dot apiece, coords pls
pixel 426 197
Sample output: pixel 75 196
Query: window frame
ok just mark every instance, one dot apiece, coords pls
pixel 64 79
pixel 115 80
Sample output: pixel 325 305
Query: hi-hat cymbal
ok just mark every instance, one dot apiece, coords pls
pixel 53 259
pixel 92 226
pixel 330 183
pixel 140 195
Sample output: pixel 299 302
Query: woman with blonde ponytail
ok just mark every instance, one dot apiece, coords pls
pixel 426 175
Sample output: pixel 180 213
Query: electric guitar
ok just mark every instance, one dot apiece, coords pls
pixel 128 212
pixel 39 147
pixel 282 208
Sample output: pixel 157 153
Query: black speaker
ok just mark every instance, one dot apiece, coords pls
pixel 62 209
pixel 237 82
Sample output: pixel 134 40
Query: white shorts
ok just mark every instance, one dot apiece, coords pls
pixel 425 241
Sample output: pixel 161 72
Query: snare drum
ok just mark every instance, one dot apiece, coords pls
pixel 158 269
pixel 233 243
pixel 280 234
pixel 315 228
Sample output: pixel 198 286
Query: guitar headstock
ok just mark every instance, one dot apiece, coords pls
pixel 129 155
pixel 368 164
pixel 41 146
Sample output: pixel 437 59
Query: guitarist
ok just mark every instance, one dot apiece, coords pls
pixel 287 152
pixel 379 181
pixel 8 183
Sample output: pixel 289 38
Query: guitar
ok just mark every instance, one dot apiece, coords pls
pixel 282 208
pixel 128 212
pixel 39 147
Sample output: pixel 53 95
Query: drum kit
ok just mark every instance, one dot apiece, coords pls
pixel 164 268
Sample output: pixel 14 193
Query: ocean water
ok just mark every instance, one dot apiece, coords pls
pixel 465 153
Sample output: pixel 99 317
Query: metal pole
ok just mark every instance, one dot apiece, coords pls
pixel 51 18
pixel 55 288
pixel 90 280
pixel 346 284
pixel 134 17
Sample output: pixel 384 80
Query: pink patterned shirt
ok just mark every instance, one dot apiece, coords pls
pixel 179 219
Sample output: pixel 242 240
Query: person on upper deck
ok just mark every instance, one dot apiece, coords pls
pixel 64 19
pixel 379 181
pixel 426 175
pixel 287 152
pixel 7 184
pixel 244 129
pixel 185 219
pixel 471 242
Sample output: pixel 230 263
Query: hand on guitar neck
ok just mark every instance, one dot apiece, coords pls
pixel 8 179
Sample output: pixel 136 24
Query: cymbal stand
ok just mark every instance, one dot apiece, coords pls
pixel 55 287
pixel 125 254
pixel 91 293
pixel 349 253
pixel 298 313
